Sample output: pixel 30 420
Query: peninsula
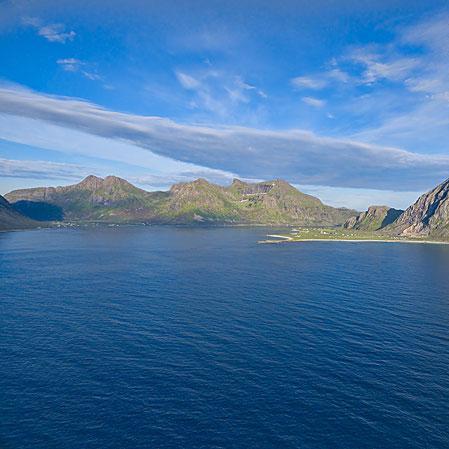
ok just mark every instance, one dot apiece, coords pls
pixel 425 221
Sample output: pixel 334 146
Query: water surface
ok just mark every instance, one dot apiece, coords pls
pixel 201 338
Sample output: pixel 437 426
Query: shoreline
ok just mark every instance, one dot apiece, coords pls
pixel 276 238
pixel 293 240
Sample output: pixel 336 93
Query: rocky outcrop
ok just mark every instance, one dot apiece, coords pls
pixel 375 218
pixel 428 216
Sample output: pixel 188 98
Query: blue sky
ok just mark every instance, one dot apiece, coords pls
pixel 348 100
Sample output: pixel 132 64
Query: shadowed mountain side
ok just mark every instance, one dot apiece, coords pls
pixel 113 199
pixel 39 210
pixel 11 219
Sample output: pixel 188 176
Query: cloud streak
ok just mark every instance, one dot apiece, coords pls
pixel 377 67
pixel 314 102
pixel 298 156
pixel 54 32
pixel 422 85
pixel 76 65
pixel 308 82
pixel 218 92
pixel 10 168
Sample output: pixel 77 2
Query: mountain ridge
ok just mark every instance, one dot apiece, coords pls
pixel 114 199
pixel 276 202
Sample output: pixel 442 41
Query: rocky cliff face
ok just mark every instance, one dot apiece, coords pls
pixel 116 200
pixel 375 218
pixel 428 216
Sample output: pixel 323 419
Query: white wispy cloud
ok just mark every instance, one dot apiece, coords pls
pixel 76 65
pixel 338 74
pixel 432 33
pixel 216 91
pixel 423 85
pixel 246 86
pixel 314 102
pixel 296 155
pixel 41 169
pixel 70 64
pixel 187 81
pixel 380 66
pixel 308 82
pixel 332 76
pixel 54 32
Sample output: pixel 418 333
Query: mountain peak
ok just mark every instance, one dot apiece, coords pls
pixel 281 183
pixel 238 182
pixel 91 182
pixel 201 181
pixel 190 185
pixel 115 181
pixel 94 183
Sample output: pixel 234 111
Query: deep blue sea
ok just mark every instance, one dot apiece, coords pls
pixel 142 337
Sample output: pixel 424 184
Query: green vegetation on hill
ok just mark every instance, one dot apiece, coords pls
pixel 115 200
pixel 94 199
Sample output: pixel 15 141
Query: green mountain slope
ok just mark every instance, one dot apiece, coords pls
pixel 279 202
pixel 94 199
pixel 115 200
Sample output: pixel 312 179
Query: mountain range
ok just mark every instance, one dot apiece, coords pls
pixel 115 200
